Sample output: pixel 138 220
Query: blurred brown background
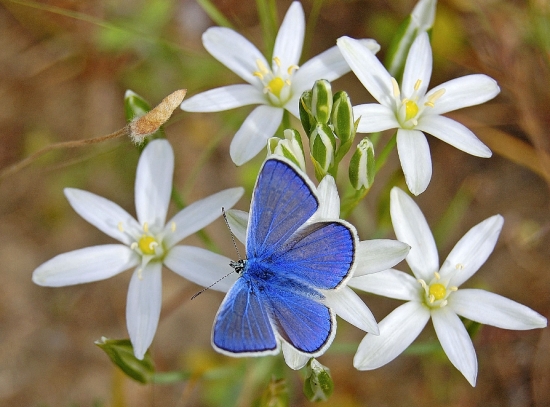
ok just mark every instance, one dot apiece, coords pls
pixel 64 68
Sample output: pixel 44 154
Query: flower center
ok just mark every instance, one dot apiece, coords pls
pixel 147 245
pixel 409 109
pixel 436 293
pixel 277 84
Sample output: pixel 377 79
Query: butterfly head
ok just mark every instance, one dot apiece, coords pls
pixel 238 265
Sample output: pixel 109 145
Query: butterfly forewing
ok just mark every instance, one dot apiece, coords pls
pixel 282 202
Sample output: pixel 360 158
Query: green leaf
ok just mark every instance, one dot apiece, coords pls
pixel 121 353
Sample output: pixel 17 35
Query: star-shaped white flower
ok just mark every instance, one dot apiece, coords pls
pixel 275 87
pixel 413 110
pixel 372 256
pixel 433 293
pixel 148 243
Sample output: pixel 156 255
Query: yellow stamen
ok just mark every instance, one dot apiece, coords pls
pixel 292 68
pixel 146 227
pixel 433 98
pixel 173 227
pixel 258 74
pixel 437 291
pixel 140 274
pixel 437 276
pixel 277 61
pixel 395 88
pixel 120 227
pixel 147 244
pixel 417 84
pixel 411 110
pixel 459 266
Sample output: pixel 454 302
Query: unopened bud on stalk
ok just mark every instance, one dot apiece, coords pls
pixel 290 147
pixel 361 166
pixel 322 144
pixel 342 117
pixel 306 117
pixel 321 101
pixel 318 385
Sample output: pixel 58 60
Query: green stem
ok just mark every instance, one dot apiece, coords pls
pixel 384 154
pixel 267 12
pixel 214 14
pixel 286 120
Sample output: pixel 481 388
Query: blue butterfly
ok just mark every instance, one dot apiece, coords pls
pixel 289 261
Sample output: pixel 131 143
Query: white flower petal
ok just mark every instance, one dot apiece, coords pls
pixel 329 201
pixel 102 213
pixel 397 331
pixel 294 359
pixel 143 306
pixel 290 38
pixel 368 69
pixel 85 265
pixel 418 67
pixel 414 155
pixel 234 51
pixel 492 309
pixel 202 267
pixel 389 283
pixel 374 117
pixel 423 14
pixel 376 255
pixel 238 222
pixel 154 183
pixel 462 92
pixel 472 250
pixel 329 65
pixel 200 214
pixel 411 227
pixel 453 133
pixel 224 98
pixel 456 342
pixel 251 138
pixel 293 104
pixel 351 308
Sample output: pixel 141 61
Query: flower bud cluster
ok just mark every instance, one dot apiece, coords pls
pixel 330 126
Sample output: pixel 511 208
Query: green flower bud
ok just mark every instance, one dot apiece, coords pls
pixel 306 117
pixel 290 147
pixel 322 145
pixel 318 385
pixel 342 117
pixel 421 20
pixel 321 100
pixel 121 353
pixel 361 166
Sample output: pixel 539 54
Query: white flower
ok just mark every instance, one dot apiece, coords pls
pixel 413 111
pixel 148 243
pixel 274 89
pixel 371 256
pixel 433 292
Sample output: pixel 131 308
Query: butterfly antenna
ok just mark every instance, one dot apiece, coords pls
pixel 211 285
pixel 232 235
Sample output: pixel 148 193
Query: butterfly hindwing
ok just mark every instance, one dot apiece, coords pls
pixel 242 325
pixel 282 202
pixel 300 319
